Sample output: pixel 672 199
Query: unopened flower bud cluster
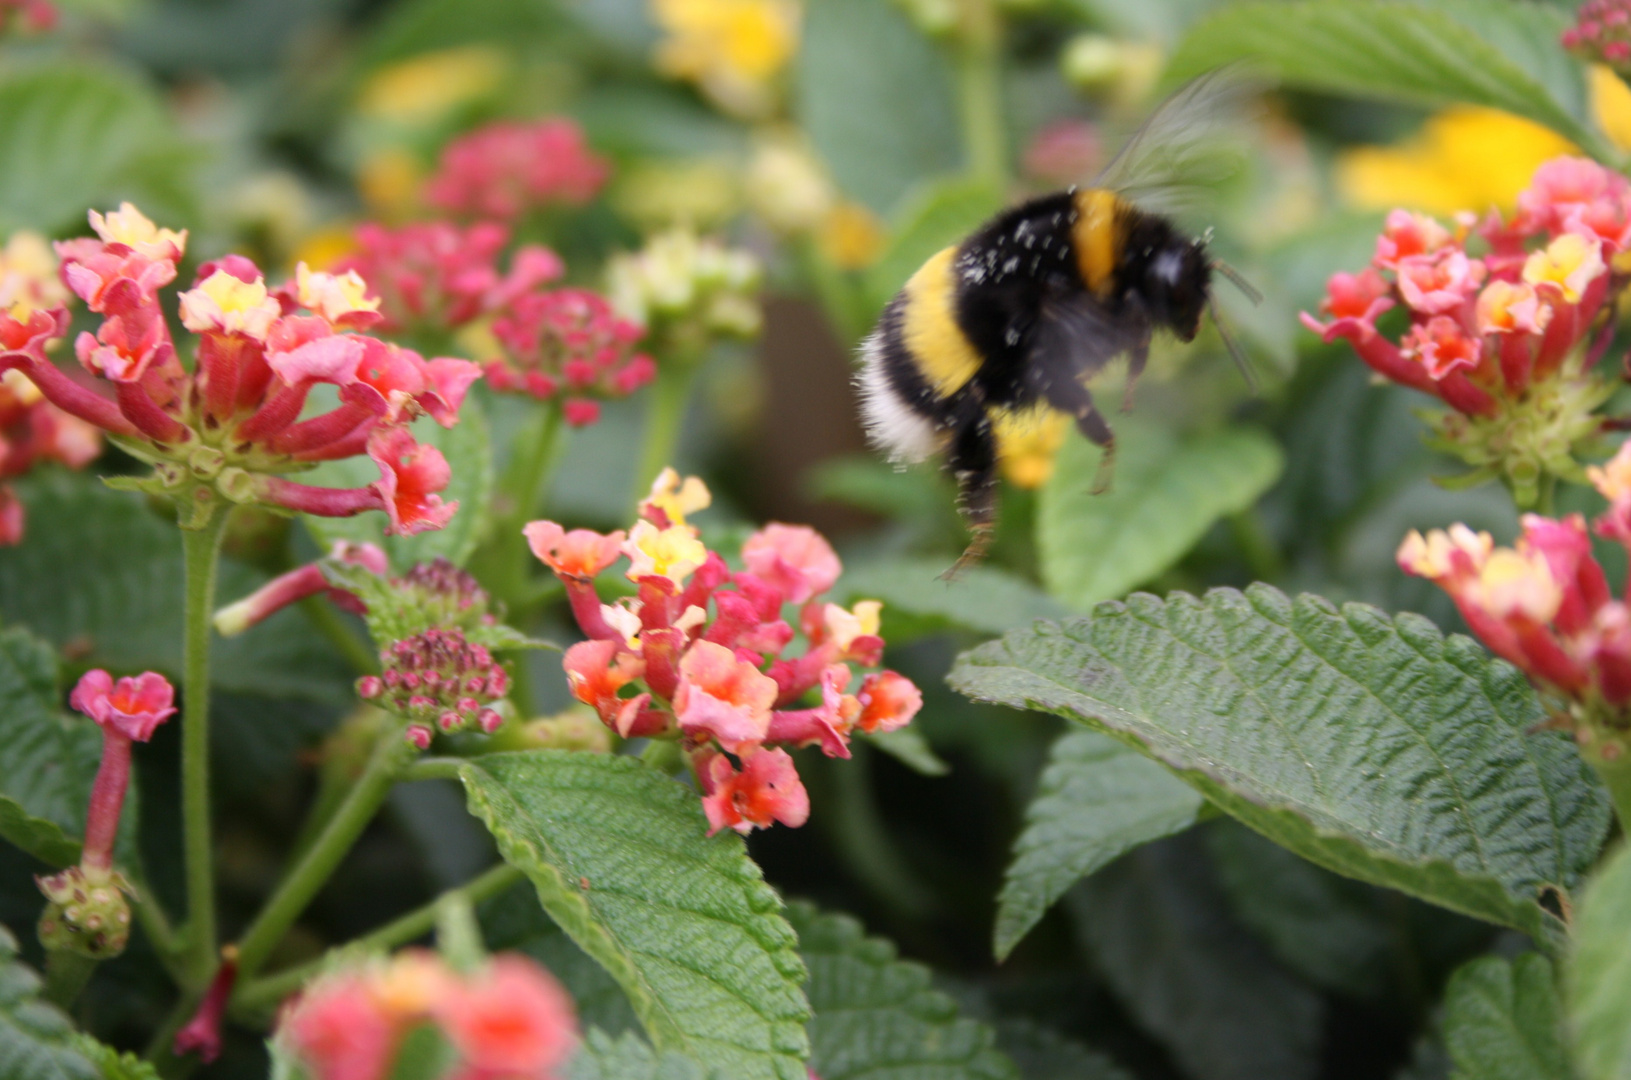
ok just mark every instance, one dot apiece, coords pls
pixel 441 683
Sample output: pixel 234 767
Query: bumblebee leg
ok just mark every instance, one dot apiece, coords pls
pixel 1137 357
pixel 973 461
pixel 1071 397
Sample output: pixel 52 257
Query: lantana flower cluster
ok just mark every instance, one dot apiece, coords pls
pixel 1545 605
pixel 441 682
pixel 507 1020
pixel 700 653
pixel 1503 319
pixel 505 170
pixel 435 278
pixel 1602 32
pixel 687 290
pixel 86 911
pixel 228 426
pixel 32 430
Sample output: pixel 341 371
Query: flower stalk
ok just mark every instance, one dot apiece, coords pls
pixel 979 92
pixel 201 550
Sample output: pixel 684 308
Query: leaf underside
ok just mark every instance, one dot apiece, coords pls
pixel 1373 746
pixel 1503 1021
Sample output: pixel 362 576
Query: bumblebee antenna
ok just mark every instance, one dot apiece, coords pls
pixel 1237 281
pixel 1233 345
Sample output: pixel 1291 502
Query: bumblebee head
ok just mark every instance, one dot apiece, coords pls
pixel 1177 282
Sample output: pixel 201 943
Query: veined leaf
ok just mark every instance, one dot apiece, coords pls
pixel 47 763
pixel 627 1058
pixel 100 574
pixel 36 1039
pixel 1160 932
pixel 682 921
pixel 78 137
pixel 1598 976
pixel 469 453
pixel 1373 746
pixel 113 1064
pixel 1166 493
pixel 878 1016
pixel 1498 53
pixel 982 598
pixel 1503 1021
pixel 1043 1054
pixel 1098 799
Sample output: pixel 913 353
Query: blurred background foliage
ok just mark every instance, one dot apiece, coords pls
pixel 842 141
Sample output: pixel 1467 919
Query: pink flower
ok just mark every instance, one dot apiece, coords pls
pixel 1407 235
pixel 202 1035
pixel 1442 347
pixel 888 701
pixel 510 1020
pixel 504 170
pixel 1564 187
pixel 828 724
pixel 32 430
pixel 297 585
pixel 1065 152
pixel 723 697
pixel 795 559
pixel 340 1031
pixel 766 790
pixel 410 477
pixel 581 553
pixel 596 671
pixel 568 343
pixel 134 707
pixel 1439 283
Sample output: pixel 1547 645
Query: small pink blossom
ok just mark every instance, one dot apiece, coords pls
pixel 1439 283
pixel 1442 347
pixel 1407 235
pixel 340 1031
pixel 888 702
pixel 581 553
pixel 795 559
pixel 722 696
pixel 202 1034
pixel 766 790
pixel 509 1020
pixel 411 475
pixel 134 707
pixel 505 169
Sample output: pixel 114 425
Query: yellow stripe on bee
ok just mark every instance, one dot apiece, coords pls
pixel 929 327
pixel 1095 238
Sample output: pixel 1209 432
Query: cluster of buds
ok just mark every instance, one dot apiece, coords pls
pixel 686 291
pixel 86 911
pixel 32 430
pixel 505 170
pixel 1507 335
pixel 228 426
pixel 507 1020
pixel 568 343
pixel 697 655
pixel 1602 33
pixel 437 277
pixel 1544 604
pixel 440 682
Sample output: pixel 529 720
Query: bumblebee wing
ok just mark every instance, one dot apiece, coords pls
pixel 1188 145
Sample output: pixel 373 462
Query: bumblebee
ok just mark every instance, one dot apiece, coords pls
pixel 1023 312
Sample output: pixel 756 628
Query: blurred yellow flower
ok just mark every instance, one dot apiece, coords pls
pixel 1463 158
pixel 786 183
pixel 1027 443
pixel 426 87
pixel 732 49
pixel 851 238
pixel 388 180
pixel 325 247
pixel 1611 105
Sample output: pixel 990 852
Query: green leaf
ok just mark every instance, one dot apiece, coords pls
pixel 75 137
pixel 682 921
pixel 469 453
pixel 47 762
pixel 1166 493
pixel 1498 53
pixel 1161 934
pixel 875 97
pixel 1373 746
pixel 1098 799
pixel 628 1058
pixel 1503 1021
pixel 1598 976
pixel 982 598
pixel 99 576
pixel 36 1040
pixel 938 214
pixel 111 1064
pixel 878 1016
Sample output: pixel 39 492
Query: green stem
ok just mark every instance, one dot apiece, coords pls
pixel 525 483
pixel 314 867
pixel 979 93
pixel 1546 503
pixel 435 768
pixel 670 394
pixel 201 549
pixel 66 973
pixel 262 993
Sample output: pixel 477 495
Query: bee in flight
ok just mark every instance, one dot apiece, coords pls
pixel 1038 300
